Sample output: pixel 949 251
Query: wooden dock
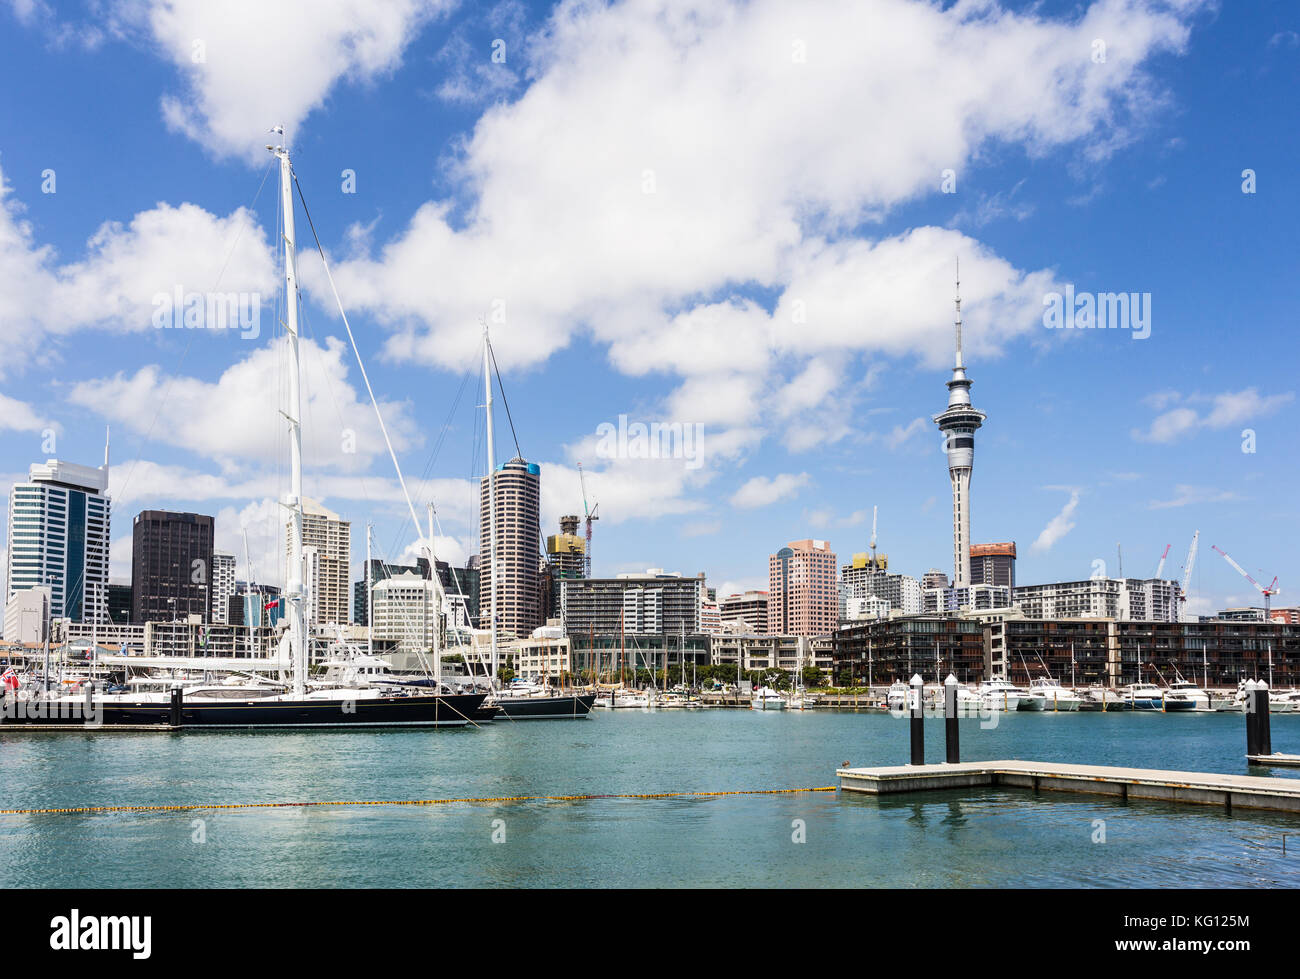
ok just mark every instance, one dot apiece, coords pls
pixel 1201 788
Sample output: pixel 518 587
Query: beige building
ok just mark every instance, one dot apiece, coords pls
pixel 330 537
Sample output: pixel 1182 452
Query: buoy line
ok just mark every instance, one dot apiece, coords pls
pixel 192 807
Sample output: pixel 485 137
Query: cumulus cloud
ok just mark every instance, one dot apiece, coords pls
pixel 764 491
pixel 246 65
pixel 125 268
pixel 1222 411
pixel 235 419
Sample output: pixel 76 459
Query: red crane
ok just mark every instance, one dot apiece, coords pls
pixel 1268 592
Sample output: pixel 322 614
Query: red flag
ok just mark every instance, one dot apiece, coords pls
pixel 270 605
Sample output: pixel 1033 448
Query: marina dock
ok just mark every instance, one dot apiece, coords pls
pixel 1201 788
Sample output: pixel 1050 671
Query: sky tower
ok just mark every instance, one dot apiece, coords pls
pixel 958 424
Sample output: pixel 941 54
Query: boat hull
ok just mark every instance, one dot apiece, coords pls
pixel 552 708
pixel 419 711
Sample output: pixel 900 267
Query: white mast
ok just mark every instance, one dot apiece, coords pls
pixel 492 506
pixel 248 590
pixel 293 414
pixel 370 599
pixel 437 603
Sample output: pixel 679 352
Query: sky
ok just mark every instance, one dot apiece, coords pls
pixel 739 218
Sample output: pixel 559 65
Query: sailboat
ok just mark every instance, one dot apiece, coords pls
pixel 346 700
pixel 517 703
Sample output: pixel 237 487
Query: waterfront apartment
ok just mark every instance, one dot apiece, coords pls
pixel 1114 598
pixel 327 556
pixel 763 652
pixel 746 612
pixel 653 603
pixel 1076 651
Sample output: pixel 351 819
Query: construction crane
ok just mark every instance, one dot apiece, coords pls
pixel 1268 592
pixel 590 514
pixel 1161 566
pixel 1187 567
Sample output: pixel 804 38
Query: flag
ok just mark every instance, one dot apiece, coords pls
pixel 9 678
pixel 271 604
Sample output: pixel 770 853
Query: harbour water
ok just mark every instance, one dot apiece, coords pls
pixel 963 838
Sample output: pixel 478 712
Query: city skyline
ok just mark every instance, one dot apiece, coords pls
pixel 1115 441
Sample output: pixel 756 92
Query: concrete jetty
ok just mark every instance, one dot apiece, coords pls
pixel 1202 788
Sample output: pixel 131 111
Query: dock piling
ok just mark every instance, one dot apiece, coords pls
pixel 950 720
pixel 1252 720
pixel 1262 721
pixel 918 718
pixel 178 698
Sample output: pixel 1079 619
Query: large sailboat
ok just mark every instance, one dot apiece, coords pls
pixel 338 701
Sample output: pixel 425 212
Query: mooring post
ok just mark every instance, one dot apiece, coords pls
pixel 950 719
pixel 1252 720
pixel 1261 722
pixel 918 732
pixel 178 697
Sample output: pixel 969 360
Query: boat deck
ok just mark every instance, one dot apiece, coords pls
pixel 1203 788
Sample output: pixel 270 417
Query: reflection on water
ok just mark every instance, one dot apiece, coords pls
pixel 969 838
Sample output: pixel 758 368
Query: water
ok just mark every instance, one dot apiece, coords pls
pixel 960 838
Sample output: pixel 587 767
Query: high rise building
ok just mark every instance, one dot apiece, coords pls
pixel 119 603
pixel 653 603
pixel 516 487
pixel 405 612
pixel 330 536
pixel 171 566
pixel 746 612
pixel 1123 599
pixel 993 564
pixel 902 592
pixel 566 560
pixel 58 537
pixel 223 585
pixel 803 588
pixel 958 424
pixel 378 570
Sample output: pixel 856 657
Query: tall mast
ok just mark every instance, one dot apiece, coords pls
pixel 370 599
pixel 492 506
pixel 437 603
pixel 293 414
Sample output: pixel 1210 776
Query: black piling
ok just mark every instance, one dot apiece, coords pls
pixel 1261 721
pixel 918 719
pixel 178 699
pixel 1252 720
pixel 950 720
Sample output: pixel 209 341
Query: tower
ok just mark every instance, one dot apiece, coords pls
pixel 958 423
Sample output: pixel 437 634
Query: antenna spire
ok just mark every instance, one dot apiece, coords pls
pixel 958 295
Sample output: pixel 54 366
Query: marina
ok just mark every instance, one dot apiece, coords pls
pixel 949 837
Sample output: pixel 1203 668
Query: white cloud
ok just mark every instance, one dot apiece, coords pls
pixel 1185 495
pixel 18 416
pixel 124 268
pixel 246 65
pixel 235 419
pixel 1225 410
pixel 1058 526
pixel 763 491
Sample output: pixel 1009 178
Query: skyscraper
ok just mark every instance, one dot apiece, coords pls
pixel 515 578
pixel 223 585
pixel 803 588
pixel 958 424
pixel 993 564
pixel 171 566
pixel 330 537
pixel 58 537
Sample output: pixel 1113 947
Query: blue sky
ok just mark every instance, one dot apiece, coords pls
pixel 728 215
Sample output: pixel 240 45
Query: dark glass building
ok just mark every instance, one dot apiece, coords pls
pixel 171 566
